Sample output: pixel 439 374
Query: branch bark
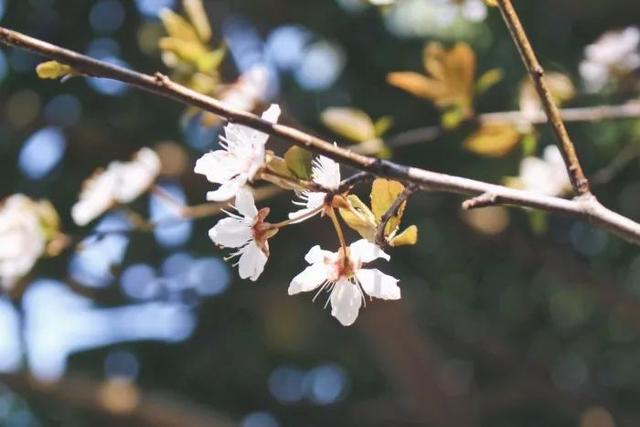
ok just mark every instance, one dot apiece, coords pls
pixel 578 179
pixel 585 207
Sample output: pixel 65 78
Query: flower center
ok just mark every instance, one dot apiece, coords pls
pixel 343 267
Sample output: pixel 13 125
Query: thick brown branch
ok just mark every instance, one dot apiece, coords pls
pixel 585 207
pixel 578 179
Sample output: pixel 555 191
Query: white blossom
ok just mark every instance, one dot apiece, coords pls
pixel 615 53
pixel 121 182
pixel 435 18
pixel 247 232
pixel 342 275
pixel 22 239
pixel 326 173
pixel 547 175
pixel 242 156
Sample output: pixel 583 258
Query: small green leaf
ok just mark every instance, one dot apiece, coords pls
pixel 529 144
pixel 488 80
pixel 538 222
pixel 382 125
pixel 452 118
pixel 298 161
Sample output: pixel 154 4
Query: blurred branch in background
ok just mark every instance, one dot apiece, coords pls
pixel 628 110
pixel 122 402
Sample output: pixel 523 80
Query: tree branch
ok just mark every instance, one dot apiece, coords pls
pixel 381 239
pixel 585 207
pixel 578 179
pixel 628 110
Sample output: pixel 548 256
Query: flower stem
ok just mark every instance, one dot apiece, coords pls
pixel 306 216
pixel 336 225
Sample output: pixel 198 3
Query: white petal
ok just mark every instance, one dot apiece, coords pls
pixel 252 262
pixel 365 251
pixel 227 190
pixel 231 233
pixel 378 285
pixel 245 204
pixel 218 166
pixel 316 254
pixel 272 113
pixel 326 172
pixel 310 278
pixel 313 200
pixel 346 299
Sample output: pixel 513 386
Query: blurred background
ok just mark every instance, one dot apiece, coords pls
pixel 507 319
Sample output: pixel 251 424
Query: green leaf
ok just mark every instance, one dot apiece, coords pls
pixel 382 125
pixel 529 144
pixel 298 161
pixel 489 79
pixel 452 118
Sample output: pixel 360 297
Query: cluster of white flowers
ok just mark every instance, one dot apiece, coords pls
pixel 22 239
pixel 121 182
pixel 614 54
pixel 242 156
pixel 546 175
pixel 340 273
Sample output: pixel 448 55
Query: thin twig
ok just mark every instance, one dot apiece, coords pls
pixel 381 238
pixel 585 207
pixel 536 72
pixel 353 180
pixel 628 110
pixel 628 154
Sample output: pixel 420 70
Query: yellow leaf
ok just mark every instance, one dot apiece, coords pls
pixel 178 27
pixel 450 76
pixel 359 217
pixel 199 19
pixel 493 140
pixel 298 160
pixel 416 84
pixel 53 70
pixel 408 237
pixel 278 166
pixel 383 193
pixel 492 3
pixel 187 51
pixel 211 61
pixel 349 122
